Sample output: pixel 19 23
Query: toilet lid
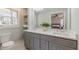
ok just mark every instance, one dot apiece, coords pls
pixel 7 44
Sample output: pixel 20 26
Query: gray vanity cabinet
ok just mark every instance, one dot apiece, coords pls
pixel 34 41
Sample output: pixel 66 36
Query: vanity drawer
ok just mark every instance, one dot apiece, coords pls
pixel 66 42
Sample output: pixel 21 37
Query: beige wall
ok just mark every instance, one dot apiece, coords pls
pixel 22 13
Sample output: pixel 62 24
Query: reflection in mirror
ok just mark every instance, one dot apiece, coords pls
pixel 57 20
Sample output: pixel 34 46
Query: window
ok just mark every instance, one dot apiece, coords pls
pixel 8 17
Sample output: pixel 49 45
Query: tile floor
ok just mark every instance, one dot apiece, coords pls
pixel 19 45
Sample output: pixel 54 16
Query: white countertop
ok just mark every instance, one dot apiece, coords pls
pixel 55 32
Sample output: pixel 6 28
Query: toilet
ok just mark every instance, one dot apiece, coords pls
pixel 8 44
pixel 6 40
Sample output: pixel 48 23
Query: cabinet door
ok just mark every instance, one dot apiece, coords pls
pixel 36 41
pixel 44 42
pixel 31 43
pixel 36 44
pixel 27 43
pixel 52 46
pixel 43 45
pixel 28 40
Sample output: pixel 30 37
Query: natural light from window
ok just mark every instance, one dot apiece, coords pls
pixel 8 17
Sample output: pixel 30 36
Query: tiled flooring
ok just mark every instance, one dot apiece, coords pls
pixel 19 45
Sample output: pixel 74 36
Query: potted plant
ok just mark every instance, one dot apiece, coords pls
pixel 45 26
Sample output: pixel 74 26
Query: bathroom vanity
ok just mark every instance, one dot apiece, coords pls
pixel 49 40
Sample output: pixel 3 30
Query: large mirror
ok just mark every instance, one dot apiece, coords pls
pixel 58 18
pixel 70 17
